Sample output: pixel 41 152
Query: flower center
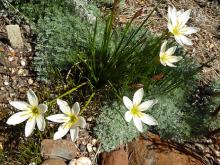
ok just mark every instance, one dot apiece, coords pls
pixel 163 57
pixel 176 30
pixel 35 111
pixel 135 111
pixel 72 120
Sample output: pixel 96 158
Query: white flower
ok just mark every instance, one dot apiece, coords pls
pixel 70 119
pixel 136 108
pixel 33 111
pixel 166 56
pixel 177 25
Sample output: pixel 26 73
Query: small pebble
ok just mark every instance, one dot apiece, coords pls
pixel 13 70
pixel 23 63
pixel 6 83
pixel 10 59
pixel 217 153
pixel 20 71
pixel 94 149
pixel 89 147
pixel 81 161
pixel 82 147
pixel 72 162
pixel 90 118
pixel 94 141
pixel 30 81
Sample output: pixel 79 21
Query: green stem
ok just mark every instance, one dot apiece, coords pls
pixel 87 103
pixel 67 93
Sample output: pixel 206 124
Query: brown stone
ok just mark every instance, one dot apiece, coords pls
pixel 58 149
pixel 54 162
pixel 157 152
pixel 118 157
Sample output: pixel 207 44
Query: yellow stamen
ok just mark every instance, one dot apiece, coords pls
pixel 35 111
pixel 176 30
pixel 135 111
pixel 72 120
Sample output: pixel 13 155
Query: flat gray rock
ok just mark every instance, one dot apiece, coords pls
pixel 58 149
pixel 14 36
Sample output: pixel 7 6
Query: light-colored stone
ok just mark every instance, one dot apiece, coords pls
pixel 89 147
pixel 72 162
pixel 54 162
pixel 217 153
pixel 30 81
pixel 23 63
pixel 94 141
pixel 14 35
pixel 81 161
pixel 58 149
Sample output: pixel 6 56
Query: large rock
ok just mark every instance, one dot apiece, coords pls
pixel 157 152
pixel 14 35
pixel 118 157
pixel 54 162
pixel 58 149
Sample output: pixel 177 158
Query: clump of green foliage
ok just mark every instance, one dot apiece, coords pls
pixel 29 152
pixel 111 129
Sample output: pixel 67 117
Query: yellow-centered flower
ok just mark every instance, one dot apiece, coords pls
pixel 136 109
pixel 166 56
pixel 70 119
pixel 177 25
pixel 32 112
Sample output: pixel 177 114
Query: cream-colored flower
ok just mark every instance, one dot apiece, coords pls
pixel 136 108
pixel 177 25
pixel 70 119
pixel 32 112
pixel 166 56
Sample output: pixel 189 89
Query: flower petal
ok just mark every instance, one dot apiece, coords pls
pixel 175 59
pixel 170 27
pixel 74 134
pixel 41 122
pixel 178 40
pixel 32 98
pixel 147 119
pixel 170 64
pixel 18 118
pixel 58 118
pixel 173 16
pixel 169 13
pixel 127 102
pixel 189 30
pixel 128 116
pixel 163 63
pixel 62 131
pixel 21 105
pixel 76 108
pixel 185 40
pixel 81 122
pixel 138 95
pixel 171 50
pixel 29 127
pixel 43 107
pixel 138 124
pixel 64 107
pixel 147 105
pixel 163 48
pixel 184 17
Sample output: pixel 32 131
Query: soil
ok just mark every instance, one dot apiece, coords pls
pixel 17 75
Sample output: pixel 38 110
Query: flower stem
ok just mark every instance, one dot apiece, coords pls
pixel 67 93
pixel 87 103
